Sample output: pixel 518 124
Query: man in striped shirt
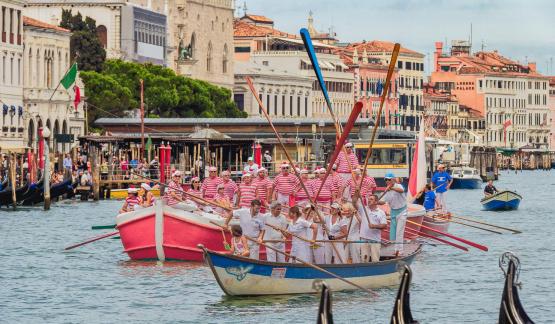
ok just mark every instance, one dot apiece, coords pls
pixel 326 195
pixel 263 186
pixel 284 185
pixel 230 187
pixel 338 182
pixel 344 160
pixel 131 201
pixel 210 184
pixel 368 186
pixel 172 193
pixel 301 197
pixel 247 191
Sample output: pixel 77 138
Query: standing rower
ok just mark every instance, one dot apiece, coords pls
pixel 252 224
pixel 368 186
pixel 328 191
pixel 247 191
pixel 345 158
pixel 300 248
pixel 263 186
pixel 230 187
pixel 441 181
pixel 395 197
pixel 299 195
pixel 371 229
pixel 283 185
pixel 276 219
pixel 338 230
pixel 210 184
pixel 172 193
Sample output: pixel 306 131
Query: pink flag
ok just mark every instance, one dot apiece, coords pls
pixel 417 179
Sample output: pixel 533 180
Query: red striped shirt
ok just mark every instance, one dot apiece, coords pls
pixel 299 192
pixel 132 202
pixel 248 194
pixel 172 187
pixel 285 183
pixel 343 162
pixel 263 186
pixel 368 186
pixel 337 181
pixel 230 188
pixel 210 186
pixel 327 190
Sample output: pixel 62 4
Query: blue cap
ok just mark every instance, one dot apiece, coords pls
pixel 389 175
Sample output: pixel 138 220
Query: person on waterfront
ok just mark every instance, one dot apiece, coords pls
pixel 441 181
pixel 318 252
pixel 239 243
pixel 395 197
pixel 327 192
pixel 430 202
pixel 283 185
pixel 154 165
pixel 68 163
pixel 173 193
pixel 299 196
pixel 247 191
pixel 251 167
pixel 371 229
pixel 338 230
pixel 124 168
pixel 230 187
pixel 146 197
pixel 267 160
pixel 252 224
pixel 198 166
pixel 368 186
pixel 210 183
pixel 263 186
pixel 275 219
pixel 221 199
pixel 490 189
pixel 131 201
pixel 347 157
pixel 300 248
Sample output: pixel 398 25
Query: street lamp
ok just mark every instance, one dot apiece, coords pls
pixel 46 135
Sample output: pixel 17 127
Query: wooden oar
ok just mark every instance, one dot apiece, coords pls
pixel 287 232
pixel 465 224
pixel 94 239
pixel 487 224
pixel 98 227
pixel 460 239
pixel 310 265
pixel 418 233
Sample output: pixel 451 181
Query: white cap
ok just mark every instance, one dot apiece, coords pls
pixel 349 145
pixel 195 179
pixel 246 175
pixel 145 186
pixel 335 205
pixel 176 173
pixel 250 158
pixel 261 170
pixel 304 171
pixel 284 165
pixel 132 190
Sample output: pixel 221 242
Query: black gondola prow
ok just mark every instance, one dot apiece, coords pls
pixel 325 315
pixel 401 310
pixel 511 310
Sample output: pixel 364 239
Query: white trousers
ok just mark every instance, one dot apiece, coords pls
pixel 353 252
pixel 274 256
pixel 370 252
pixel 400 233
pixel 283 199
pixel 254 249
pixel 330 253
pixel 319 254
pixel 440 196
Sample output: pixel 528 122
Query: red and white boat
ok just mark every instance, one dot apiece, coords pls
pixel 415 215
pixel 163 233
pixel 438 222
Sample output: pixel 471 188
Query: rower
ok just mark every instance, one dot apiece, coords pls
pixel 172 193
pixel 247 191
pixel 395 197
pixel 430 201
pixel 299 195
pixel 327 193
pixel 275 219
pixel 347 157
pixel 371 230
pixel 338 226
pixel 146 197
pixel 251 167
pixel 210 184
pixel 352 250
pixel 263 186
pixel 441 181
pixel 252 224
pixel 318 253
pixel 230 187
pixel 283 185
pixel 490 189
pixel 131 201
pixel 221 199
pixel 298 226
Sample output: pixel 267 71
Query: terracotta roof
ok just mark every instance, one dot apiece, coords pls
pixel 491 63
pixel 552 80
pixel 244 29
pixel 378 46
pixel 28 21
pixel 257 18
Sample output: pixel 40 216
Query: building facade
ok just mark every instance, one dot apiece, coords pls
pixel 512 98
pixel 410 78
pixel 552 112
pixel 46 61
pixel 283 93
pixel 11 74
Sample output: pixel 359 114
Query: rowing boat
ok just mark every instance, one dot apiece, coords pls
pixel 122 193
pixel 503 200
pixel 239 276
pixel 439 222
pixel 415 215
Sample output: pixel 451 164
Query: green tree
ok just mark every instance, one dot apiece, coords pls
pixel 84 44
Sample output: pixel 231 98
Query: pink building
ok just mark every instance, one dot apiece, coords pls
pixel 552 112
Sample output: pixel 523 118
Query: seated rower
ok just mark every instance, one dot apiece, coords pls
pixel 131 201
pixel 239 244
pixel 221 199
pixel 490 189
pixel 430 201
pixel 146 198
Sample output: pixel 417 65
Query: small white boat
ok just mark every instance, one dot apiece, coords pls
pixel 465 177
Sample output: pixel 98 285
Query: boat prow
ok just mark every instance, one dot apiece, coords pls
pixel 511 309
pixel 325 315
pixel 239 276
pixel 401 309
pixel 503 200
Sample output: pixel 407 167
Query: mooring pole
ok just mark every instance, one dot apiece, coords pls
pixel 46 136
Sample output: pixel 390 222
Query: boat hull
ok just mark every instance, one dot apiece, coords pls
pixel 466 183
pixel 504 200
pixel 122 193
pixel 165 233
pixel 239 276
pixel 440 223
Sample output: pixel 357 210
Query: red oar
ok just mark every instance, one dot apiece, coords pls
pixel 412 231
pixel 460 239
pixel 96 238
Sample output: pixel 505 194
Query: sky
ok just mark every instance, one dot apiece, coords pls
pixel 520 30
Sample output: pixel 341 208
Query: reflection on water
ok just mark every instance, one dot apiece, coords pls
pixel 97 283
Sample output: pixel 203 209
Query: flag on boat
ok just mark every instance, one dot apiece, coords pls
pixel 417 179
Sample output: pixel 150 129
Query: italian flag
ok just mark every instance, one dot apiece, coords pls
pixel 417 179
pixel 68 80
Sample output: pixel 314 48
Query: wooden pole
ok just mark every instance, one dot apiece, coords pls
pixel 142 155
pixel 46 170
pixel 13 180
pixel 221 158
pixel 95 174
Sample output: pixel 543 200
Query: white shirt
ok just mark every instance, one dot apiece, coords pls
pixel 396 200
pixel 276 221
pixel 354 231
pixel 335 228
pixel 299 228
pixel 250 225
pixel 251 168
pixel 376 217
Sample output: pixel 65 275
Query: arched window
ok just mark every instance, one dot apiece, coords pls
pixel 102 34
pixel 209 57
pixel 224 59
pixel 30 68
pixel 56 132
pixel 31 133
pixel 64 131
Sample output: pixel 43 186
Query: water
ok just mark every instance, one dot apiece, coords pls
pixel 96 283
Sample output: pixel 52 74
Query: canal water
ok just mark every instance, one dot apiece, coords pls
pixel 40 283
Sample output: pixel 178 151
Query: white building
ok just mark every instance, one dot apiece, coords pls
pixel 46 61
pixel 11 74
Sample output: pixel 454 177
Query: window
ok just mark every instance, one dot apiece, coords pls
pixel 239 99
pixel 400 64
pixel 268 108
pixel 260 107
pixel 283 105
pixel 3 69
pixel 224 59
pixel 209 57
pixel 11 70
pixel 18 71
pixel 275 105
pixel 291 106
pixel 298 106
pixel 242 49
pixel 306 106
pixel 102 34
pixel 193 46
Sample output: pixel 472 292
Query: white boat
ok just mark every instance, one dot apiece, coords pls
pixel 465 177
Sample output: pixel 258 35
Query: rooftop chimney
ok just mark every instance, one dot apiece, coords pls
pixel 437 54
pixel 532 66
